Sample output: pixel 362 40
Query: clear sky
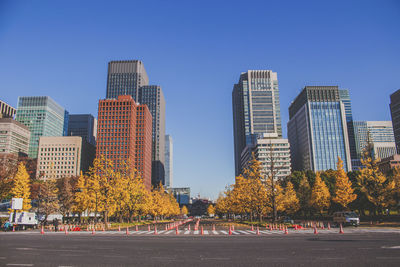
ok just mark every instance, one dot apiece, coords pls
pixel 196 51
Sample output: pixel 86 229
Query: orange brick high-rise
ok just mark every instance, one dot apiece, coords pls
pixel 124 132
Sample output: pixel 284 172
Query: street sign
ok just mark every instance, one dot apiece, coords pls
pixel 16 203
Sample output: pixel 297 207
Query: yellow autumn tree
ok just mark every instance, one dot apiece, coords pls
pixel 210 210
pixel 21 187
pixel 376 187
pixel 81 197
pixel 344 193
pixel 291 203
pixel 320 196
pixel 184 210
pixel 222 205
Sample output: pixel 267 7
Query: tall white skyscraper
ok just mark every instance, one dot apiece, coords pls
pixel 168 161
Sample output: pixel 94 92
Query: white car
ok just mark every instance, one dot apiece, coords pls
pixel 346 218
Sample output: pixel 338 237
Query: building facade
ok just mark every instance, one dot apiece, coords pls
pixel 153 97
pixel 124 133
pixel 379 134
pixel 169 152
pixel 6 111
pixel 389 163
pixel 395 113
pixel 62 156
pixel 256 110
pixel 181 194
pixel 14 137
pixel 125 77
pixel 83 125
pixel 273 153
pixel 317 130
pixel 43 116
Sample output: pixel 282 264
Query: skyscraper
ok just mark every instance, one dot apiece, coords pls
pixel 125 133
pixel 256 110
pixel 345 98
pixel 125 77
pixel 379 134
pixel 395 113
pixel 153 97
pixel 317 129
pixel 82 125
pixel 43 116
pixel 6 111
pixel 169 152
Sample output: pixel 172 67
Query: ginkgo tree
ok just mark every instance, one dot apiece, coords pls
pixel 21 187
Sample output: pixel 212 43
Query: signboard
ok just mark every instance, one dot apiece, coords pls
pixel 16 203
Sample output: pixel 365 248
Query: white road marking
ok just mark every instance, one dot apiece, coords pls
pixel 196 232
pixel 168 232
pixel 19 264
pixel 215 232
pixel 187 232
pixel 394 247
pixel 224 232
pixel 205 232
pixel 235 233
pixel 243 232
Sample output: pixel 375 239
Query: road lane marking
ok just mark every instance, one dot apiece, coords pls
pixel 187 232
pixel 243 232
pixel 196 232
pixel 19 264
pixel 224 232
pixel 215 232
pixel 393 247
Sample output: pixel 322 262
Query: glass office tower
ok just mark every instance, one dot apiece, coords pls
pixel 82 125
pixel 256 110
pixel 317 130
pixel 125 77
pixel 43 116
pixel 395 114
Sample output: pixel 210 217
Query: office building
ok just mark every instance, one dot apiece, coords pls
pixel 83 125
pixel 6 111
pixel 379 134
pixel 153 97
pixel 395 113
pixel 256 109
pixel 317 130
pixel 63 156
pixel 43 116
pixel 124 133
pixel 181 194
pixel 169 152
pixel 14 137
pixel 273 153
pixel 125 77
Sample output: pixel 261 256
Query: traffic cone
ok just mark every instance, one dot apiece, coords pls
pixel 295 227
pixel 252 228
pixel 341 229
pixel 202 232
pixel 13 228
pixel 176 231
pixel 189 227
pixel 233 227
pixel 42 231
pixel 155 230
pixel 103 228
pixel 270 227
pixel 166 228
pixel 87 228
pixel 148 228
pixel 258 231
pixel 329 226
pixel 137 228
pixel 127 230
pixel 323 226
pixel 119 228
pixel 286 231
pixel 230 230
pixel 315 230
pixel 213 227
pixel 93 231
pixel 66 231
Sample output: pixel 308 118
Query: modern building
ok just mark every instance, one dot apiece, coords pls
pixel 153 97
pixel 256 110
pixel 169 152
pixel 14 137
pixel 395 113
pixel 379 134
pixel 6 111
pixel 63 156
pixel 124 133
pixel 43 116
pixel 125 77
pixel 84 125
pixel 317 130
pixel 389 163
pixel 345 98
pixel 273 153
pixel 181 194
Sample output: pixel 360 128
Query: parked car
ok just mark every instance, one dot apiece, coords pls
pixel 346 218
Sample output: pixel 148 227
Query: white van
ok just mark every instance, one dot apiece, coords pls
pixel 24 219
pixel 346 218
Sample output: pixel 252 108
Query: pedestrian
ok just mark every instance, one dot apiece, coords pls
pixel 7 226
pixel 55 223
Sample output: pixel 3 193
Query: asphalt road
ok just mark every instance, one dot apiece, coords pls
pixel 363 249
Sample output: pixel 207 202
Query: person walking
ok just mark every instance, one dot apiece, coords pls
pixel 55 223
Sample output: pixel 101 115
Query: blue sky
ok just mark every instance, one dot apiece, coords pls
pixel 196 51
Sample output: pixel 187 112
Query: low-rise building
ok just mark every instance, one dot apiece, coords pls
pixel 14 137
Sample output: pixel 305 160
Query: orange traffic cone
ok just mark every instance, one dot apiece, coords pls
pixel 213 227
pixel 66 231
pixel 341 229
pixel 202 232
pixel 42 231
pixel 87 228
pixel 137 228
pixel 189 227
pixel 176 231
pixel 315 230
pixel 127 230
pixel 155 230
pixel 230 230
pixel 286 231
pixel 233 227
pixel 93 231
pixel 166 228
pixel 252 228
pixel 270 227
pixel 329 226
pixel 148 228
pixel 119 228
pixel 258 231
pixel 13 228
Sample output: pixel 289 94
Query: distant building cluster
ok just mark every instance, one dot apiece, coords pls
pixel 130 127
pixel 320 128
